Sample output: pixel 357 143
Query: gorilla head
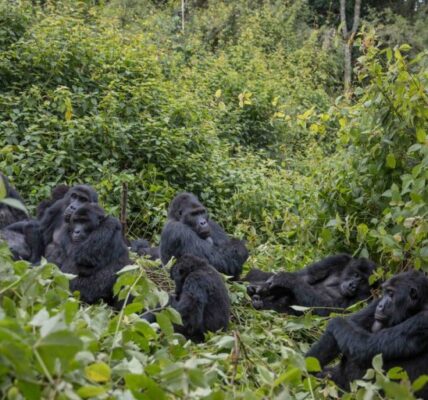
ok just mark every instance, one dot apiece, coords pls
pixel 76 197
pixel 186 208
pixel 85 220
pixel 355 277
pixel 403 295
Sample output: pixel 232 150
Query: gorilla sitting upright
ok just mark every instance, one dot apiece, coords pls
pixel 395 326
pixel 200 297
pixel 54 221
pixel 329 285
pixel 190 231
pixel 95 253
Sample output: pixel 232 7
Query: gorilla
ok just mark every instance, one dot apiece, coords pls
pixel 57 193
pixel 396 326
pixel 331 284
pixel 200 297
pixel 9 214
pixel 95 253
pixel 24 239
pixel 142 248
pixel 190 231
pixel 54 221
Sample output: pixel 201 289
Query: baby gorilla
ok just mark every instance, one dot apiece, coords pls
pixel 200 297
pixel 96 252
pixel 329 285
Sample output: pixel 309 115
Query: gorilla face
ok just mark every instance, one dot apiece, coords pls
pixel 355 277
pixel 197 219
pixel 187 209
pixel 77 197
pixel 84 221
pixel 403 296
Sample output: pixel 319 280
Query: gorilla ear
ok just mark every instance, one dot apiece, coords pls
pixel 414 293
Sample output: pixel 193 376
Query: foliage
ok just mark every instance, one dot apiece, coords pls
pixel 241 109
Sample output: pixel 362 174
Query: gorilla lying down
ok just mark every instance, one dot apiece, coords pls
pixel 396 326
pixel 331 284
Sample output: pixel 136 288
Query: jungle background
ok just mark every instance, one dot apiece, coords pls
pixel 241 102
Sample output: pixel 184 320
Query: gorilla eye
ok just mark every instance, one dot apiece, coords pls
pixel 73 196
pixel 356 275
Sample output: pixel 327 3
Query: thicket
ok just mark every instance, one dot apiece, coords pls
pixel 243 108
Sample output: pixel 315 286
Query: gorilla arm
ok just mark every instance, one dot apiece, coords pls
pixel 178 239
pixel 102 246
pixel 401 341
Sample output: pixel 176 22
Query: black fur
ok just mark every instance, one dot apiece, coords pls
pixel 24 240
pixel 58 193
pixel 331 284
pixel 54 222
pixel 200 297
pixel 8 214
pixel 95 253
pixel 142 248
pixel 401 338
pixel 206 240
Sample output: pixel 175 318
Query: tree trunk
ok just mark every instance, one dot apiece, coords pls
pixel 348 41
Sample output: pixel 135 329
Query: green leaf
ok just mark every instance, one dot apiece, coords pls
pixel 312 364
pixel 390 161
pixel 3 191
pixel 421 135
pixel 60 345
pixel 420 383
pixel 98 372
pixel 14 203
pixel 90 391
pixel 164 322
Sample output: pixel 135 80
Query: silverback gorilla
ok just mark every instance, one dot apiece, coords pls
pixel 200 297
pixel 396 326
pixel 54 221
pixel 190 231
pixel 331 284
pixel 95 253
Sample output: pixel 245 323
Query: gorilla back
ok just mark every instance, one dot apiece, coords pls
pixel 201 297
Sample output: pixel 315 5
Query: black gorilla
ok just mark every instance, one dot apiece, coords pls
pixel 200 297
pixel 24 239
pixel 9 214
pixel 57 193
pixel 396 326
pixel 190 231
pixel 54 221
pixel 95 253
pixel 142 248
pixel 331 284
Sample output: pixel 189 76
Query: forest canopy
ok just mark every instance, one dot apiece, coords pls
pixel 242 103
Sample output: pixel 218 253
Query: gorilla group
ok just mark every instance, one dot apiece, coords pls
pixel 329 285
pixel 74 232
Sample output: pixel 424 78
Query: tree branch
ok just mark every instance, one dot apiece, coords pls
pixel 343 18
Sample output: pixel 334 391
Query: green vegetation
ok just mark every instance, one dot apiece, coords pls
pixel 243 108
